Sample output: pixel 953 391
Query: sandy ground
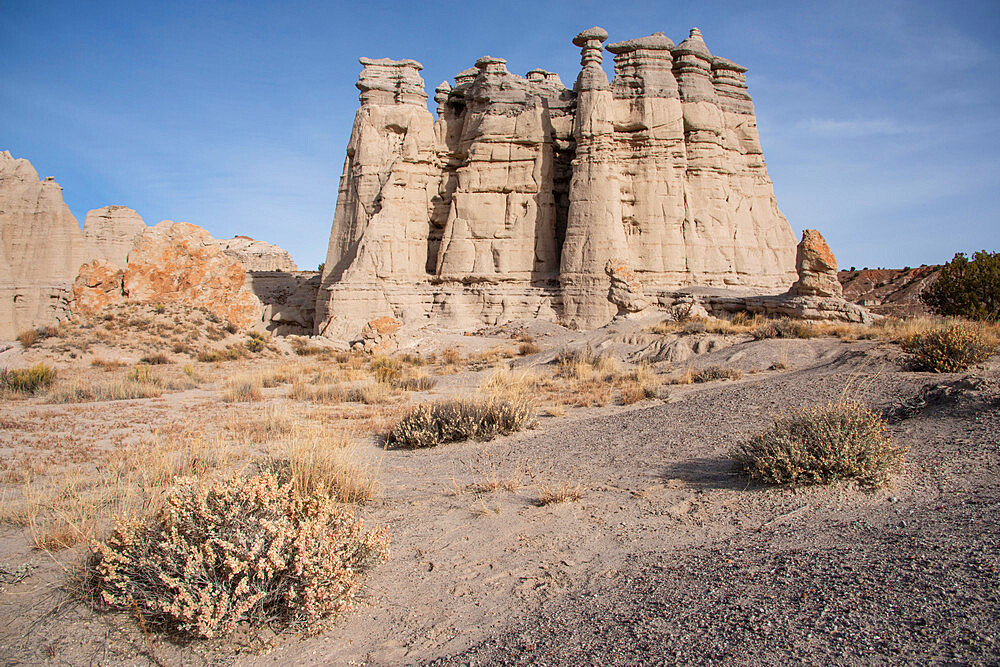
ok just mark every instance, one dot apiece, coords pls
pixel 665 558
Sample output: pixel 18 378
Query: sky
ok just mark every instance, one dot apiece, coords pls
pixel 878 119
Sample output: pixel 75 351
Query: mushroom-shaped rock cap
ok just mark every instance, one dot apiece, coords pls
pixel 490 60
pixel 443 87
pixel 723 63
pixel 655 42
pixel 694 44
pixel 596 32
pixel 389 62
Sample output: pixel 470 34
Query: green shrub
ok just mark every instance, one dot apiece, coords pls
pixel 232 551
pixel 432 424
pixel 26 380
pixel 819 445
pixel 256 342
pixel 948 350
pixel 967 288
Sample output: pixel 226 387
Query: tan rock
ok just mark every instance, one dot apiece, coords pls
pixel 817 267
pixel 514 200
pixel 112 232
pixel 180 262
pixel 41 248
pixel 257 255
pixel 626 290
pixel 99 284
pixel 379 335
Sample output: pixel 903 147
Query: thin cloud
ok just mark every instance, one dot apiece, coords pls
pixel 860 127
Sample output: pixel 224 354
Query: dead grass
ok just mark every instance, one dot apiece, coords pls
pixel 560 492
pixel 243 389
pixel 112 389
pixel 692 376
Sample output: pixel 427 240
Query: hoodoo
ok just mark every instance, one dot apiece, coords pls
pixel 511 203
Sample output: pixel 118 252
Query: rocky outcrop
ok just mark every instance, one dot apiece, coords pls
pixel 257 255
pixel 889 291
pixel 98 284
pixel 180 262
pixel 811 297
pixel 816 267
pixel 111 233
pixel 289 299
pixel 512 201
pixel 379 336
pixel 626 290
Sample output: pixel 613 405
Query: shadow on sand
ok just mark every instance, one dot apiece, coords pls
pixel 714 472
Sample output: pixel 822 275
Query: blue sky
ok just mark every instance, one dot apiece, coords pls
pixel 878 119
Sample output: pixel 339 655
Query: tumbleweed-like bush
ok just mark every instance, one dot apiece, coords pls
pixel 822 444
pixel 949 350
pixel 432 424
pixel 235 550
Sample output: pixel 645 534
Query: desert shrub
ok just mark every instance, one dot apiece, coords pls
pixel 967 288
pixel 717 373
pixel 155 359
pixel 142 374
pixel 784 328
pixel 231 551
pixel 563 492
pixel 230 353
pixel 948 350
pixel 528 347
pixel 115 389
pixel 416 383
pixel 256 342
pixel 27 338
pixel 385 369
pixel 432 424
pixel 26 380
pixel 822 444
pixel 371 393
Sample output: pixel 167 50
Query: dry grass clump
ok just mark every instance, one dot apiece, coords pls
pixel 136 384
pixel 26 380
pixel 107 364
pixel 508 384
pixel 818 445
pixel 563 492
pixel 785 328
pixel 320 463
pixel 586 366
pixel 155 359
pixel 432 424
pixel 27 338
pixel 707 374
pixel 528 347
pixel 243 388
pixel 303 348
pixel 232 551
pixel 949 349
pixel 371 393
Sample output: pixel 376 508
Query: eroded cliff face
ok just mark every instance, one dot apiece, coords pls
pixel 513 201
pixel 41 249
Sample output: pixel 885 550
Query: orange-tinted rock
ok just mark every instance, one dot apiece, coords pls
pixel 181 262
pixel 816 266
pixel 626 290
pixel 98 284
pixel 379 335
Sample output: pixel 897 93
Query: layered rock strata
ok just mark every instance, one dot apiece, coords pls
pixel 512 201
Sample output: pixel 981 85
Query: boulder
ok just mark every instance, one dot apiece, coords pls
pixel 626 290
pixel 379 335
pixel 180 262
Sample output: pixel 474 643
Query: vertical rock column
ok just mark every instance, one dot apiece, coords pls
pixel 649 138
pixel 594 232
pixel 379 240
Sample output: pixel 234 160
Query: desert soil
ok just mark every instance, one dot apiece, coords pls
pixel 666 557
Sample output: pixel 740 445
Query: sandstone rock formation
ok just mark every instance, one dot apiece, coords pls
pixel 817 268
pixel 178 261
pixel 98 284
pixel 112 232
pixel 811 297
pixel 512 201
pixel 379 336
pixel 626 290
pixel 257 255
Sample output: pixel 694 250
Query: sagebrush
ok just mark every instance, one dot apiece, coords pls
pixel 232 551
pixel 948 349
pixel 818 445
pixel 432 424
pixel 26 380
